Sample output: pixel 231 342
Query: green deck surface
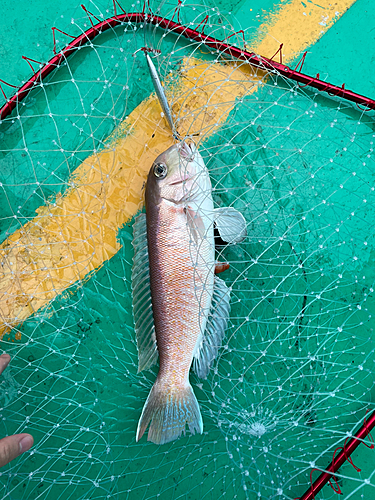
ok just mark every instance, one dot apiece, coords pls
pixel 74 384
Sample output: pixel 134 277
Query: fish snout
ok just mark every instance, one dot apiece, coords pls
pixel 187 151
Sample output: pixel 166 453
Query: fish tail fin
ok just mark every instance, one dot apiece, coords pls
pixel 169 409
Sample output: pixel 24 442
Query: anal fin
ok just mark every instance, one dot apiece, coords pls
pixel 195 224
pixel 207 349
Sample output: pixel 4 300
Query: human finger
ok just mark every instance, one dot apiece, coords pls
pixel 4 361
pixel 12 446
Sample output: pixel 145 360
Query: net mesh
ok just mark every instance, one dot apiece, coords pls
pixel 295 375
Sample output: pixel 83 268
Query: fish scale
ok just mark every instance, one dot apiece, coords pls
pixel 177 303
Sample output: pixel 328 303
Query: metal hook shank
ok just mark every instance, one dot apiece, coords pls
pixel 160 92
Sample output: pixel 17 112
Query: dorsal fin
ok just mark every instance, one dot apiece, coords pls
pixel 142 306
pixel 209 344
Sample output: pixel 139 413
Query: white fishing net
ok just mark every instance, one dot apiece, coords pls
pixel 295 375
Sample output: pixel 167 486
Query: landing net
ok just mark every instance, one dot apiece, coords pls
pixel 295 375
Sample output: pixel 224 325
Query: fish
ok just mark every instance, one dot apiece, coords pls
pixel 180 306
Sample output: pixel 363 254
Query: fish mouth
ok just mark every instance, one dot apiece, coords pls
pixel 186 151
pixel 180 181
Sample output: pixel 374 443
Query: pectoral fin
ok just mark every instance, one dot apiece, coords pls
pixel 231 225
pixel 142 306
pixel 208 346
pixel 195 224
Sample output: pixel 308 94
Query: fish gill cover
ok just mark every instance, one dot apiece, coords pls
pixel 294 377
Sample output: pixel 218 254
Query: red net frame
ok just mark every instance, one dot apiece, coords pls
pixel 192 34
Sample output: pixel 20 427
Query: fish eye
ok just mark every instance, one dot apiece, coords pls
pixel 160 170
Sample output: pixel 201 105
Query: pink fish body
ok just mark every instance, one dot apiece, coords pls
pixel 175 304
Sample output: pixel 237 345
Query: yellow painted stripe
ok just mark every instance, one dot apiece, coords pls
pixel 70 239
pixel 297 25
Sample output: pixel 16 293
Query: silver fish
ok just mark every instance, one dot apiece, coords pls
pixel 180 307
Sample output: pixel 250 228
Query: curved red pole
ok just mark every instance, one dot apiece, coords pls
pixel 337 462
pixel 189 33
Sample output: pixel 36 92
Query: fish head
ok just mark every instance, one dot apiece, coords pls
pixel 175 174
